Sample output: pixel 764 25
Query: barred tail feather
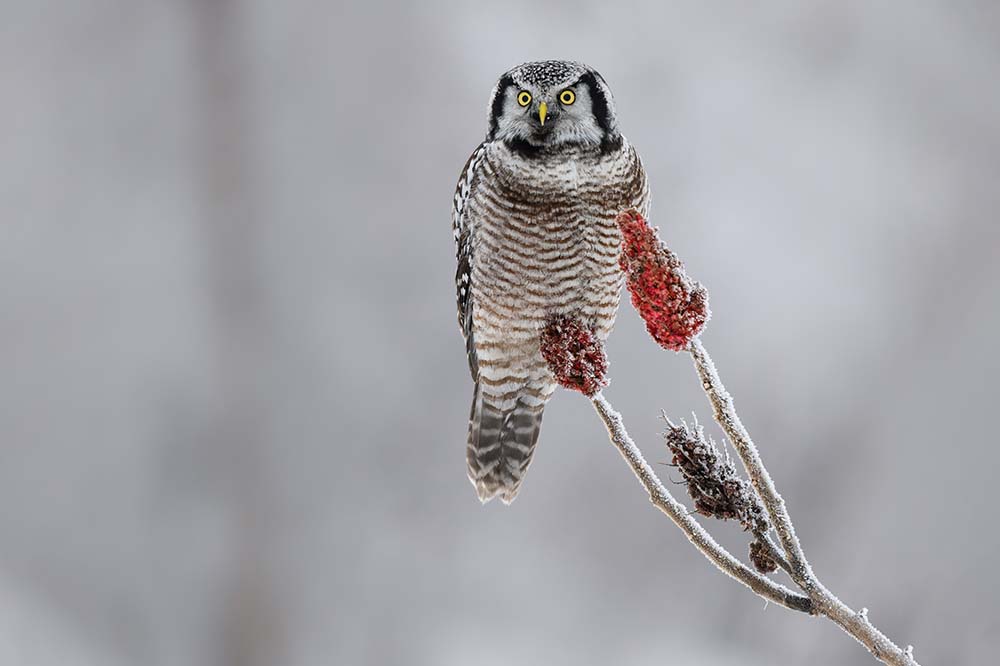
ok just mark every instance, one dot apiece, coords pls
pixel 501 444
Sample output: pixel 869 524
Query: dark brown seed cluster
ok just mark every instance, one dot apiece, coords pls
pixel 711 479
pixel 761 559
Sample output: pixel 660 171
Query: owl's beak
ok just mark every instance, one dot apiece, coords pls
pixel 543 110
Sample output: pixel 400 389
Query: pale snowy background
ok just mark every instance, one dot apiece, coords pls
pixel 234 396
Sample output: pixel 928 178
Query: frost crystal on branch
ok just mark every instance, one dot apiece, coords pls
pixel 711 479
pixel 575 355
pixel 674 307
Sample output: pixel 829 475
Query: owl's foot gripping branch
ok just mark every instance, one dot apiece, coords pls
pixel 675 309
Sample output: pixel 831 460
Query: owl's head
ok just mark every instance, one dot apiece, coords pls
pixel 550 104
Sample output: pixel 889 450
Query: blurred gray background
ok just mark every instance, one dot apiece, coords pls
pixel 234 395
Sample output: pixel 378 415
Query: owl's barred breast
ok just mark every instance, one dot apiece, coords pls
pixel 546 244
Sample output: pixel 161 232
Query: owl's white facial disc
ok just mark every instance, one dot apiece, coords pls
pixel 578 107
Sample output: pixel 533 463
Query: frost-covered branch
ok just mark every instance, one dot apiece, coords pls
pixel 854 623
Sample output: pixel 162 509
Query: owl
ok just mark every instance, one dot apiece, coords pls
pixel 534 225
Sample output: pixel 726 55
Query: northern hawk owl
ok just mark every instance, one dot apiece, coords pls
pixel 534 223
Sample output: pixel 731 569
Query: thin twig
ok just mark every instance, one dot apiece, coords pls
pixel 702 540
pixel 726 416
pixel 825 602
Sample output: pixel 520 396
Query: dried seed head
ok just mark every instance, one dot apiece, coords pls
pixel 575 355
pixel 711 479
pixel 674 307
pixel 761 560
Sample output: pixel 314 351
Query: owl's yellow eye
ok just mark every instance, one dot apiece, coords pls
pixel 524 98
pixel 567 97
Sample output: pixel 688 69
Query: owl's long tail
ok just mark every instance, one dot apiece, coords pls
pixel 501 443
